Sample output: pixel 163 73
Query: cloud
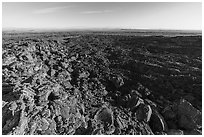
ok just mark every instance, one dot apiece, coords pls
pixel 96 12
pixel 50 10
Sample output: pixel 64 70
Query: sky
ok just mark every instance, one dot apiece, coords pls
pixel 136 15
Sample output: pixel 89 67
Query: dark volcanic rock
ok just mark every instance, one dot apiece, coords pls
pixel 175 132
pixel 157 122
pixel 143 113
pixel 117 81
pixel 189 117
pixel 101 83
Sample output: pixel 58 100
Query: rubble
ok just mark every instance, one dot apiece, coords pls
pixel 101 84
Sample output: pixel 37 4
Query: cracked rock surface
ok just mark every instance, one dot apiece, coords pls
pixel 93 84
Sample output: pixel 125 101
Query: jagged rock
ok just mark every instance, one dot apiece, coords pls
pixel 58 84
pixel 189 117
pixel 133 101
pixel 135 93
pixel 120 123
pixel 9 121
pixel 13 107
pixel 143 90
pixel 84 75
pixel 146 130
pixel 42 124
pixel 151 103
pixel 4 103
pixel 157 122
pixel 46 113
pixel 97 131
pixel 51 72
pixel 104 115
pixel 143 113
pixel 22 126
pixel 117 81
pixel 111 130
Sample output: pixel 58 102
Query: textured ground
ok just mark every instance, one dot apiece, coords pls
pixel 62 83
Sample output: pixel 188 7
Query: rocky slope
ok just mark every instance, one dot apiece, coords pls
pixel 82 84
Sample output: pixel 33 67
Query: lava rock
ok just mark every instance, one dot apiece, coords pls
pixel 143 112
pixel 157 123
pixel 175 132
pixel 104 115
pixel 168 113
pixel 189 117
pixel 117 81
pixel 193 132
pixel 59 83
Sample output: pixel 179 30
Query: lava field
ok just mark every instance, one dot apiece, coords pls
pixel 93 83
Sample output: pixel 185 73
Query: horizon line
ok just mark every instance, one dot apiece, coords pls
pixel 92 28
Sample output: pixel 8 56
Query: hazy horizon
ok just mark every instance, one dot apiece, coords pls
pixel 106 15
pixel 94 29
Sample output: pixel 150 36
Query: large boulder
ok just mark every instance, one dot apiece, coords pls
pixel 157 123
pixel 189 117
pixel 104 116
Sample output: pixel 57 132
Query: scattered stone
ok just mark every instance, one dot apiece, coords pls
pixel 143 113
pixel 72 83
pixel 117 81
pixel 43 124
